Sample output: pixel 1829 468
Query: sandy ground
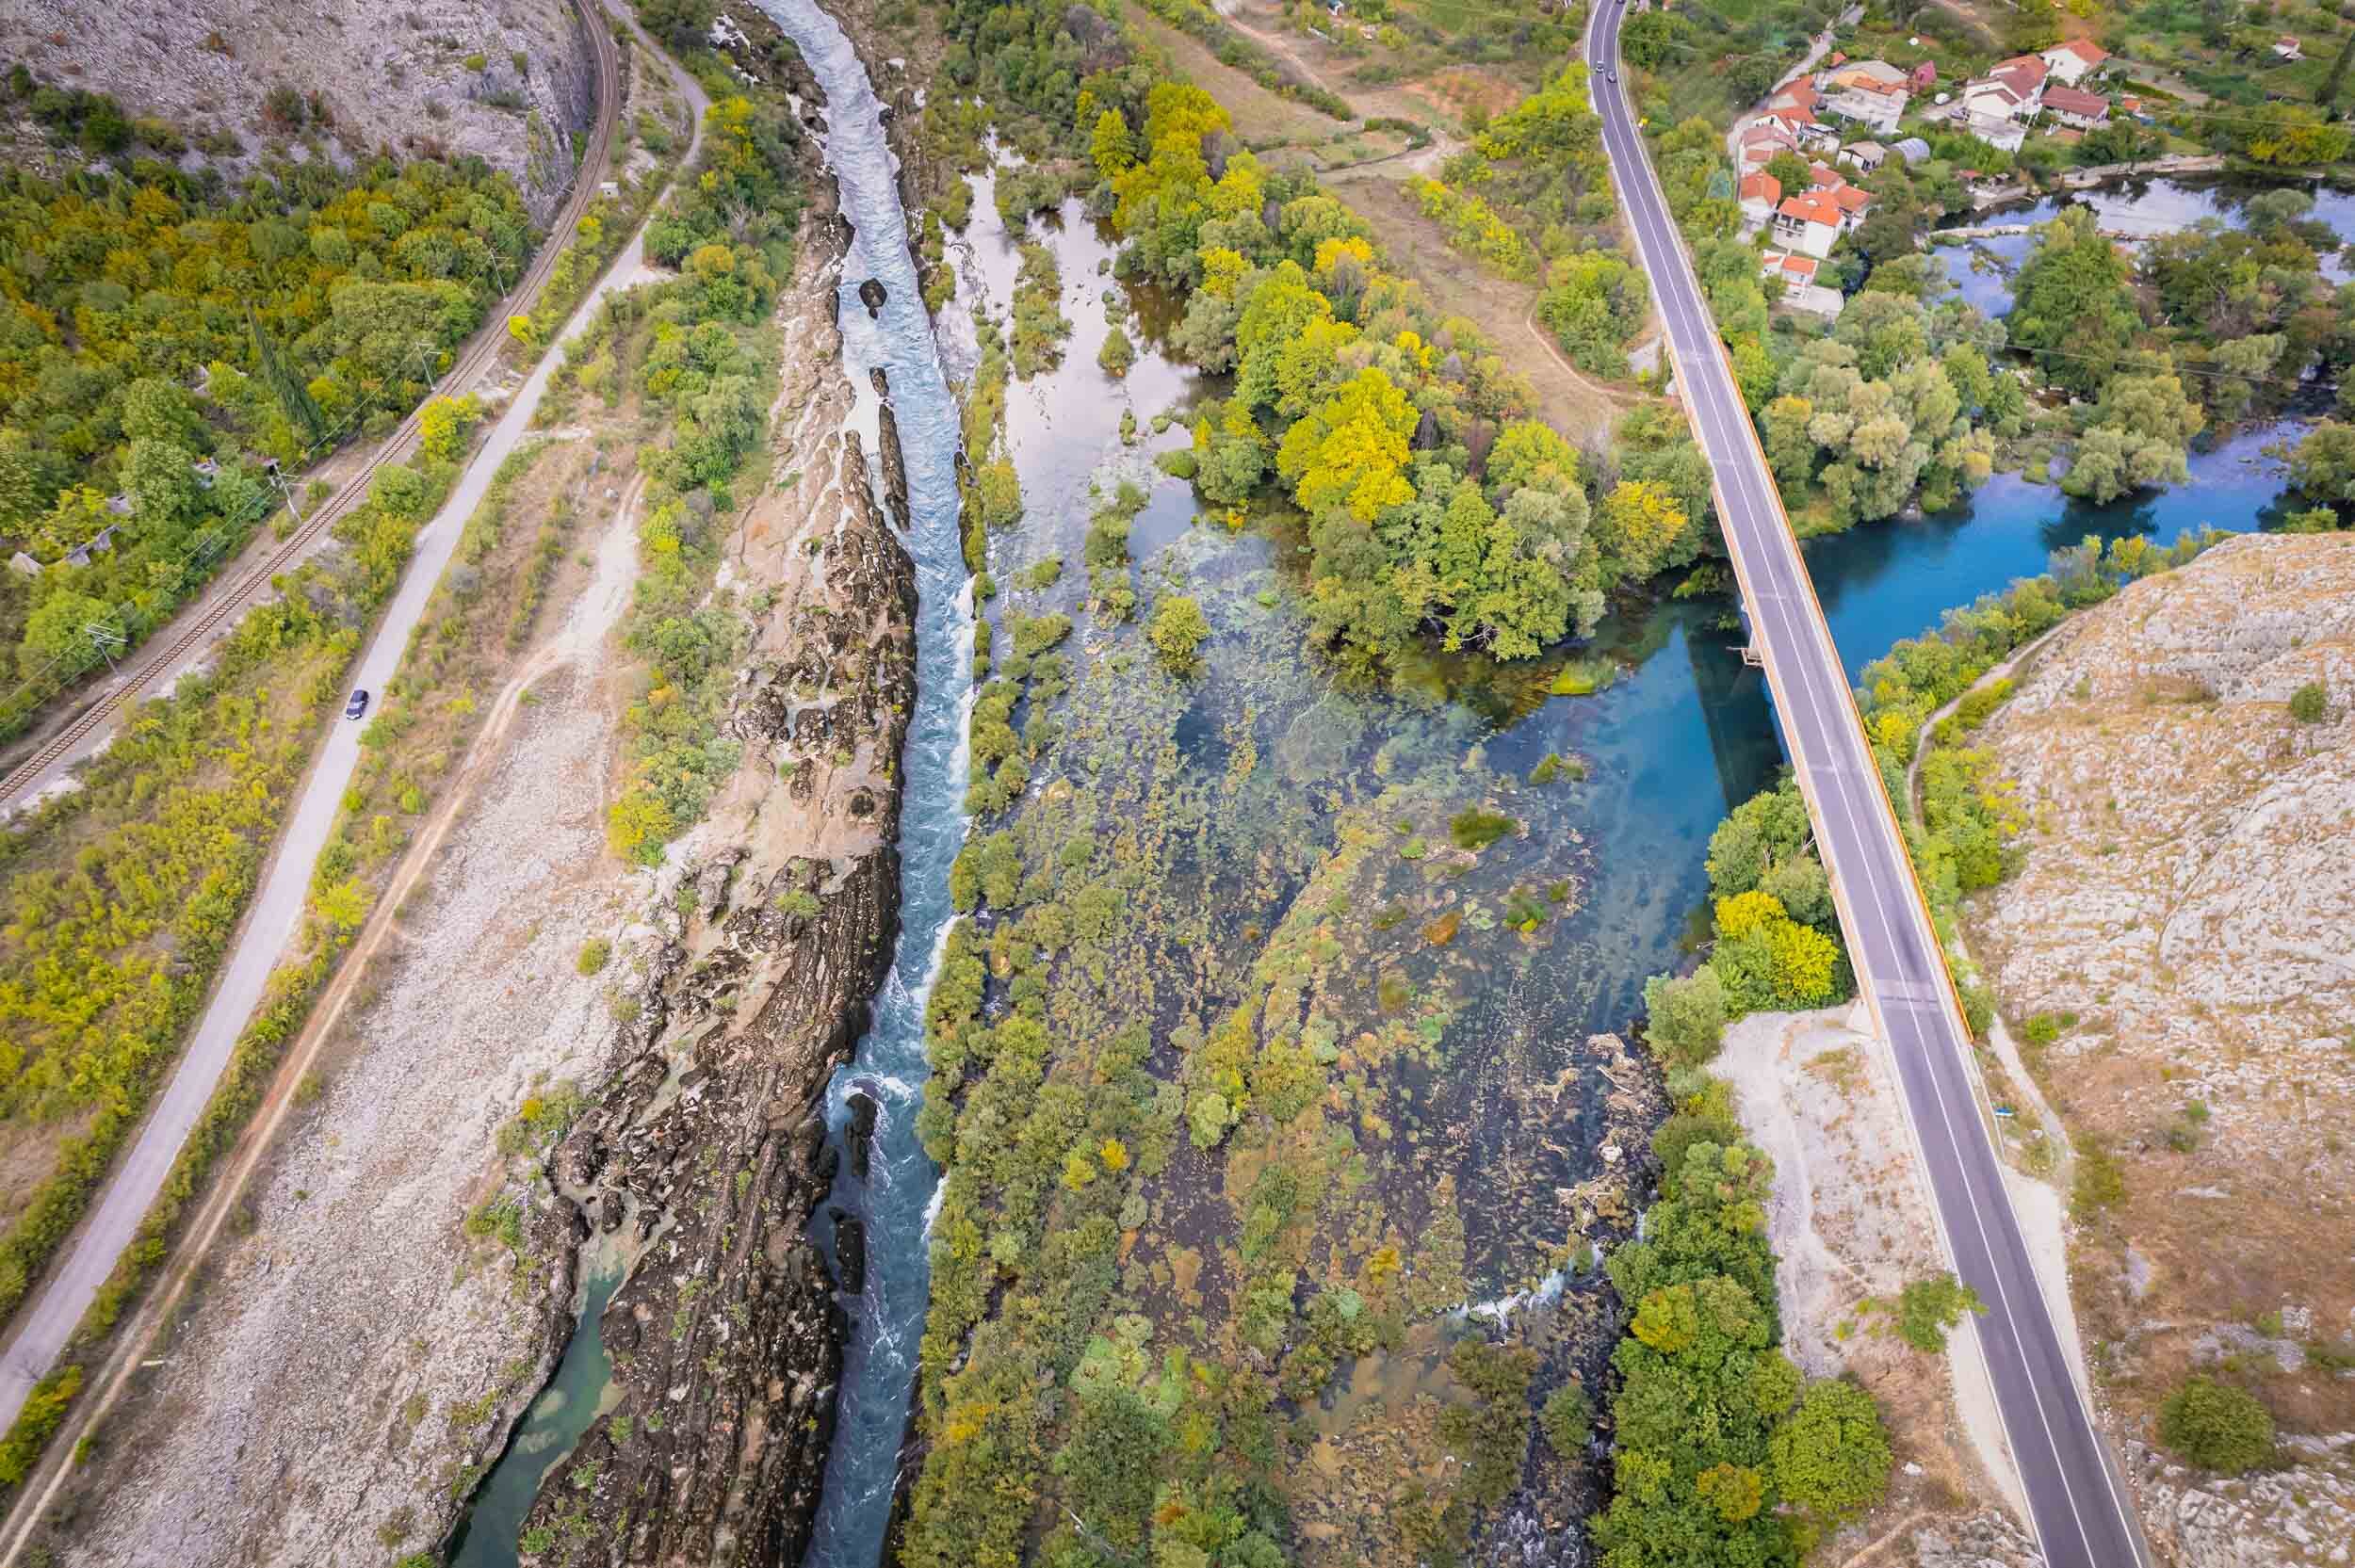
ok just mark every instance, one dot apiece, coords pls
pixel 1851 1227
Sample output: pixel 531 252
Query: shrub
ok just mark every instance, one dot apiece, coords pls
pixel 1686 1020
pixel 1117 354
pixel 1475 829
pixel 1567 1416
pixel 2216 1427
pixel 594 954
pixel 1927 1309
pixel 1178 632
pixel 1832 1457
pixel 2310 703
pixel 43 1413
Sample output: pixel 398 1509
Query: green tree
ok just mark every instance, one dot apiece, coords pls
pixel 2323 464
pixel 2110 461
pixel 1830 1455
pixel 2216 1427
pixel 1685 1016
pixel 1642 527
pixel 1350 451
pixel 57 635
pixel 2073 300
pixel 1927 1310
pixel 2310 703
pixel 1177 631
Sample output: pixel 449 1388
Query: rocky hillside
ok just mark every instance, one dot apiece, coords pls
pixel 2175 951
pixel 511 82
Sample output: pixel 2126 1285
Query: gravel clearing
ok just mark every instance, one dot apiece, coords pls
pixel 243 1446
pixel 1850 1221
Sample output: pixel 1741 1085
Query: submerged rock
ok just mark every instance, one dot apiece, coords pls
pixel 872 295
pixel 849 1251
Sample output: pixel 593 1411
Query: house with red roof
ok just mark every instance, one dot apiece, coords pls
pixel 2086 111
pixel 1810 222
pixel 2075 61
pixel 1760 194
pixel 2013 91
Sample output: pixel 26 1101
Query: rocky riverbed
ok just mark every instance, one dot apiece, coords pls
pixel 707 1142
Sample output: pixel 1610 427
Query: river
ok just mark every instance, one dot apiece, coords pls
pixel 2158 206
pixel 886 1326
pixel 1682 734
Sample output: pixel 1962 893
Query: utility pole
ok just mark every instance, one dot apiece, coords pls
pixel 107 638
pixel 277 477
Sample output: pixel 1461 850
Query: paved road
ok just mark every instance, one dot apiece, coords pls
pixel 2075 1502
pixel 277 910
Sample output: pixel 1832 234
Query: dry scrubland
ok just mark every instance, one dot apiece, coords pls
pixel 2175 951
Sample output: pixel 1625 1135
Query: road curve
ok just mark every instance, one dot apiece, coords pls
pixel 2076 1504
pixel 46 1325
pixel 184 641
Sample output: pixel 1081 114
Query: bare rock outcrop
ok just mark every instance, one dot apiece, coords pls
pixel 2302 1513
pixel 706 1144
pixel 511 84
pixel 2174 947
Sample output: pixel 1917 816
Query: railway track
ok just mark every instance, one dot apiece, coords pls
pixel 474 359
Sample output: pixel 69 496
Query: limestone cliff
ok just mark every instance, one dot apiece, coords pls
pixel 2175 947
pixel 511 84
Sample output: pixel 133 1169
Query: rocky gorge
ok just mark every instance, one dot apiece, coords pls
pixel 576 1082
pixel 708 1144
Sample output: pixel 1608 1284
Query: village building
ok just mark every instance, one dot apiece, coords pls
pixel 1865 155
pixel 2086 111
pixel 1800 291
pixel 1811 223
pixel 2074 61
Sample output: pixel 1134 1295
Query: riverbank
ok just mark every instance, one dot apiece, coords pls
pixel 425 1148
pixel 1851 1228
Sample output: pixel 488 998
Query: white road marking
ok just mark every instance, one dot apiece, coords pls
pixel 1904 939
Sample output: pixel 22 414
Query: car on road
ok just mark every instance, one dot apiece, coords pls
pixel 358 705
pixel 1610 75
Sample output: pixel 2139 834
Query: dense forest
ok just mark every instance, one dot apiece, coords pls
pixel 1435 504
pixel 157 318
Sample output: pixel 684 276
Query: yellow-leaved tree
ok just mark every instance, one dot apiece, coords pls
pixel 1641 524
pixel 1351 449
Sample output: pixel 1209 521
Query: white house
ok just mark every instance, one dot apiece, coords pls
pixel 1760 194
pixel 2287 47
pixel 1877 106
pixel 1997 131
pixel 1800 291
pixel 2013 91
pixel 1810 223
pixel 2075 61
pixel 1867 156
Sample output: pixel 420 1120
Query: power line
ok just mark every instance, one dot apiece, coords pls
pixel 202 548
